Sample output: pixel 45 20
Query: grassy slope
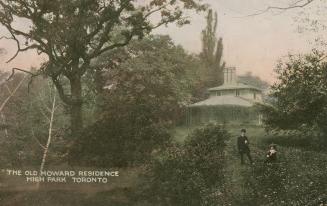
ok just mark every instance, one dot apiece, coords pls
pixel 301 173
pixel 300 176
pixel 305 179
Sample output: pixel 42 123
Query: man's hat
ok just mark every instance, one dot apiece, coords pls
pixel 273 145
pixel 243 130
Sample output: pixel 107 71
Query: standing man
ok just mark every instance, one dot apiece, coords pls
pixel 243 146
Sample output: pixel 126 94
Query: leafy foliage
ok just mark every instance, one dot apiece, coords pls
pixel 118 142
pixel 154 73
pixel 286 182
pixel 74 33
pixel 300 94
pixel 211 54
pixel 192 173
pixel 138 99
pixel 26 119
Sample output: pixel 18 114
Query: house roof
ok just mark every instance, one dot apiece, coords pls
pixel 224 100
pixel 234 86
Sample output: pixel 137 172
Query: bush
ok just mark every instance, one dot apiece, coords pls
pixel 304 138
pixel 300 94
pixel 117 142
pixel 192 173
pixel 286 182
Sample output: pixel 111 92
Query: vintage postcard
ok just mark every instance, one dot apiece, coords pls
pixel 163 102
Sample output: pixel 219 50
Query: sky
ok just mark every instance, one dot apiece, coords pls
pixel 251 44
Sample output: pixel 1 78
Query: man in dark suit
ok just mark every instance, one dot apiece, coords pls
pixel 243 146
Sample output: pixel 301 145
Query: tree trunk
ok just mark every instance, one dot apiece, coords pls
pixel 76 107
pixel 99 84
pixel 46 148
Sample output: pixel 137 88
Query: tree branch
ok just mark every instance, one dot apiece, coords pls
pixel 297 4
pixel 155 10
pixel 18 46
pixel 12 94
pixel 104 17
pixel 60 89
pixel 19 49
pixel 116 45
pixel 22 70
pixel 37 140
pixel 33 75
pixel 5 37
pixel 8 89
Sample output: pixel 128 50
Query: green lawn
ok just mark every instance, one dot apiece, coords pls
pixel 299 178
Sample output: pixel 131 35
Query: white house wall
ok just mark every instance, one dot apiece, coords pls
pixel 245 93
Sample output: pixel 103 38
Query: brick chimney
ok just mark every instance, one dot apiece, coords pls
pixel 230 75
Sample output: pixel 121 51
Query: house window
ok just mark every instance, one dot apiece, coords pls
pixel 254 95
pixel 218 93
pixel 237 93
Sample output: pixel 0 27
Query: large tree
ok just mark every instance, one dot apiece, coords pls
pixel 145 92
pixel 212 52
pixel 73 33
pixel 300 94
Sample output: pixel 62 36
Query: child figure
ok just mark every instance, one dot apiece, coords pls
pixel 271 154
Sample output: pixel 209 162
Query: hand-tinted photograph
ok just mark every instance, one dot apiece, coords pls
pixel 163 102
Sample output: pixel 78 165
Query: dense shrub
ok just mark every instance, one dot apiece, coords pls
pixel 192 173
pixel 299 96
pixel 306 138
pixel 286 182
pixel 117 142
pixel 141 90
pixel 25 121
